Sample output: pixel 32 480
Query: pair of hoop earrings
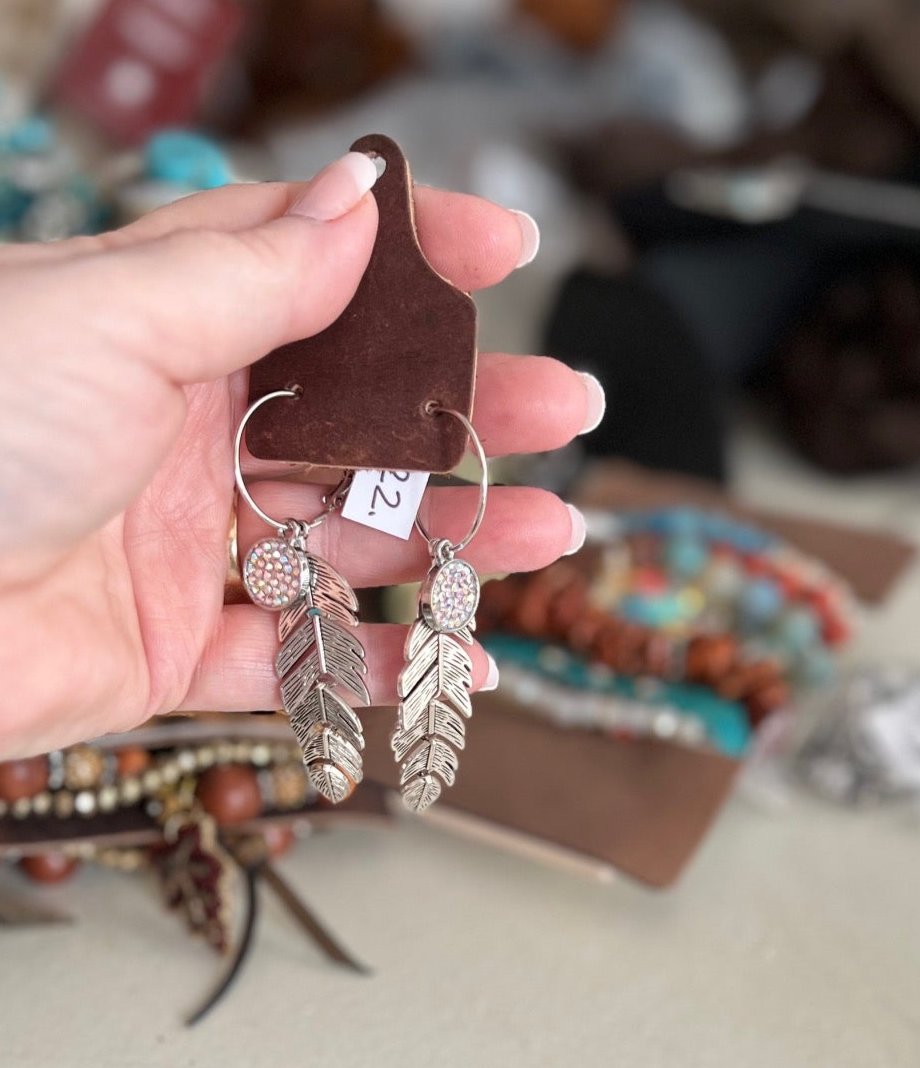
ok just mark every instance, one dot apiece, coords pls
pixel 321 663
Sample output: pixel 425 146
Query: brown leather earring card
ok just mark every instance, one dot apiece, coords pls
pixel 405 343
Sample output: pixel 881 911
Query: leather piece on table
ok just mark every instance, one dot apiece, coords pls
pixel 641 806
pixel 870 559
pixel 407 337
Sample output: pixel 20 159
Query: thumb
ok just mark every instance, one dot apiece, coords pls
pixel 200 303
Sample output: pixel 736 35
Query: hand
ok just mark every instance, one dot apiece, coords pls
pixel 123 375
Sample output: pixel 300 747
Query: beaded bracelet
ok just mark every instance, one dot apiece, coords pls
pixel 46 193
pixel 85 780
pixel 660 606
pixel 563 688
pixel 208 818
pixel 755 581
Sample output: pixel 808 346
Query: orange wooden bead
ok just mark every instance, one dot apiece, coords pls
pixel 629 659
pixel 710 657
pixel 657 655
pixel 278 837
pixel 569 607
pixel 746 678
pixel 132 761
pixel 583 635
pixel 607 643
pixel 230 793
pixel 766 699
pixel 49 867
pixel 498 601
pixel 23 778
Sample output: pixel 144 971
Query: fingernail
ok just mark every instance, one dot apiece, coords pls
pixel 579 530
pixel 491 682
pixel 336 189
pixel 597 402
pixel 530 237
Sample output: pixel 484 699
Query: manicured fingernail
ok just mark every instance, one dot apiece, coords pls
pixel 597 402
pixel 530 237
pixel 336 189
pixel 579 530
pixel 491 682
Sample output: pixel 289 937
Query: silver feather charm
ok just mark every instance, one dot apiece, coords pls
pixel 434 686
pixel 320 662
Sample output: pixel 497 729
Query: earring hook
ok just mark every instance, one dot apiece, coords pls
pixel 459 546
pixel 331 500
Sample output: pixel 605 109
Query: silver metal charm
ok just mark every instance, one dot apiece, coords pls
pixel 434 685
pixel 321 663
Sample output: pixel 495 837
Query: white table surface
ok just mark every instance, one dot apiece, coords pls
pixel 793 941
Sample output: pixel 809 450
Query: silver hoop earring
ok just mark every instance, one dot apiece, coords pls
pixel 320 662
pixel 434 686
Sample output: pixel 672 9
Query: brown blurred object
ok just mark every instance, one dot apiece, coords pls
pixel 849 375
pixel 870 560
pixel 230 793
pixel 555 605
pixel 300 56
pixel 23 778
pixel 278 838
pixel 28 40
pixel 886 33
pixel 132 761
pixel 581 24
pixel 855 127
pixel 49 867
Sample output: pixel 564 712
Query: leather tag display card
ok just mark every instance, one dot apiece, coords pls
pixel 406 342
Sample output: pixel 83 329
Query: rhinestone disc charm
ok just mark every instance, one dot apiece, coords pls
pixel 272 574
pixel 450 597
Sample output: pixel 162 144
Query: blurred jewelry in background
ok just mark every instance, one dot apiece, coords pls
pixel 864 747
pixel 683 624
pixel 50 189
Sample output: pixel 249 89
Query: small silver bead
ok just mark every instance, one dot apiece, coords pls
pixel 130 790
pixel 186 760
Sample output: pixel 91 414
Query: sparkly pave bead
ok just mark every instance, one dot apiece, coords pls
pixel 452 597
pixel 272 574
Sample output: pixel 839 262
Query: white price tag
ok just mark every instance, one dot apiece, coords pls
pixel 386 500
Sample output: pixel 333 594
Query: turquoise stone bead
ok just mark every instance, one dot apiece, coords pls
pixel 798 629
pixel 816 667
pixel 686 556
pixel 186 159
pixel 761 601
pixel 31 136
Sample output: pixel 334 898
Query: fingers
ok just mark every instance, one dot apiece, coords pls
pixel 524 529
pixel 533 404
pixel 236 672
pixel 468 240
pixel 472 242
pixel 197 304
